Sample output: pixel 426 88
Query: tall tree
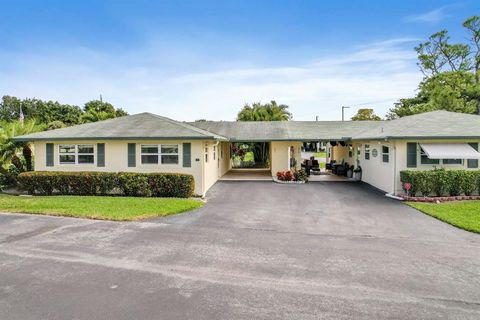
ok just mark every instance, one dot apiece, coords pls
pixel 264 112
pixel 97 110
pixel 365 114
pixel 451 74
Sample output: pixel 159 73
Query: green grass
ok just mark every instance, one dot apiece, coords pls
pixel 320 154
pixel 104 208
pixel 462 214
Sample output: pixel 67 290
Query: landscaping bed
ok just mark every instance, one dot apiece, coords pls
pixel 438 199
pixel 97 207
pixel 462 214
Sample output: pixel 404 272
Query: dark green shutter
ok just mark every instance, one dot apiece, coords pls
pixel 473 163
pixel 411 155
pixel 49 147
pixel 187 155
pixel 131 155
pixel 100 154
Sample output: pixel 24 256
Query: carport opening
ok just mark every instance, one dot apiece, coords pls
pixel 329 160
pixel 250 155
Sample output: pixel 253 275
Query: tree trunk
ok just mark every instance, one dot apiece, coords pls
pixel 17 163
pixel 27 154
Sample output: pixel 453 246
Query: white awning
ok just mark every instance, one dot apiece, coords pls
pixel 449 151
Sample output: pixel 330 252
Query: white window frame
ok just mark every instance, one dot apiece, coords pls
pixel 149 154
pixel 366 151
pixel 386 154
pixel 76 154
pixel 169 154
pixel 159 154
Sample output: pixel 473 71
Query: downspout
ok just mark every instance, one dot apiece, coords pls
pixel 394 167
pixel 202 161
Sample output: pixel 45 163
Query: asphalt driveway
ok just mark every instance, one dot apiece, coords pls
pixel 256 250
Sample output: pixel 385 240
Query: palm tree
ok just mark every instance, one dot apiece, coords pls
pixel 264 112
pixel 11 149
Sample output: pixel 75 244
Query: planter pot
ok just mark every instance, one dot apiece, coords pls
pixel 358 176
pixel 349 173
pixel 288 182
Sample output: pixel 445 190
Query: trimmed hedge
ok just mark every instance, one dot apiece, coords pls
pixel 441 182
pixel 105 183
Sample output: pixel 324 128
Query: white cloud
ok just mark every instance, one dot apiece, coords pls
pixel 143 80
pixel 432 16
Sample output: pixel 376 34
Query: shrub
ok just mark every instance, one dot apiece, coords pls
pixel 442 182
pixel 468 182
pixel 104 183
pixel 297 175
pixel 424 181
pixel 409 177
pixel 171 185
pixel 300 175
pixel 454 182
pixel 288 176
pixel 134 184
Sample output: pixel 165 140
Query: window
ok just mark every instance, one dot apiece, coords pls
pixel 85 153
pixel 76 154
pixel 214 152
pixel 425 160
pixel 473 163
pixel 367 152
pixel 149 154
pixel 221 152
pixel 169 153
pixel 385 153
pixel 206 154
pixel 452 161
pixel 67 154
pixel 350 151
pixel 358 151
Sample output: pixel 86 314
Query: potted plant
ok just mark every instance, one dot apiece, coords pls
pixel 350 171
pixel 357 173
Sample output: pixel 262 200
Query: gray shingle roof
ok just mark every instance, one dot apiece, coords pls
pixel 430 125
pixel 286 130
pixel 139 126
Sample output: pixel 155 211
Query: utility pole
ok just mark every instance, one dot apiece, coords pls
pixel 101 98
pixel 316 118
pixel 343 112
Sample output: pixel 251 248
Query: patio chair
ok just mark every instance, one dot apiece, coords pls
pixel 329 166
pixel 315 166
pixel 342 169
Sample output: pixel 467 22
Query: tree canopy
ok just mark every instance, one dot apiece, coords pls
pixel 451 74
pixel 45 112
pixel 365 114
pixel 264 112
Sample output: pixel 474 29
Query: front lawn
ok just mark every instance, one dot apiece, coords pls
pixel 321 154
pixel 462 214
pixel 104 208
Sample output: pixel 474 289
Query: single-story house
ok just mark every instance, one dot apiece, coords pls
pixel 147 142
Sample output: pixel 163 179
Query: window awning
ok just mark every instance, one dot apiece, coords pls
pixel 449 151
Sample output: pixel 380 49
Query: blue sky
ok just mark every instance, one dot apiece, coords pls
pixel 205 59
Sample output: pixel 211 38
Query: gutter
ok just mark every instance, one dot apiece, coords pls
pixel 117 138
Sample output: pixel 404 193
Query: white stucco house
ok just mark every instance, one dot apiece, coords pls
pixel 147 142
